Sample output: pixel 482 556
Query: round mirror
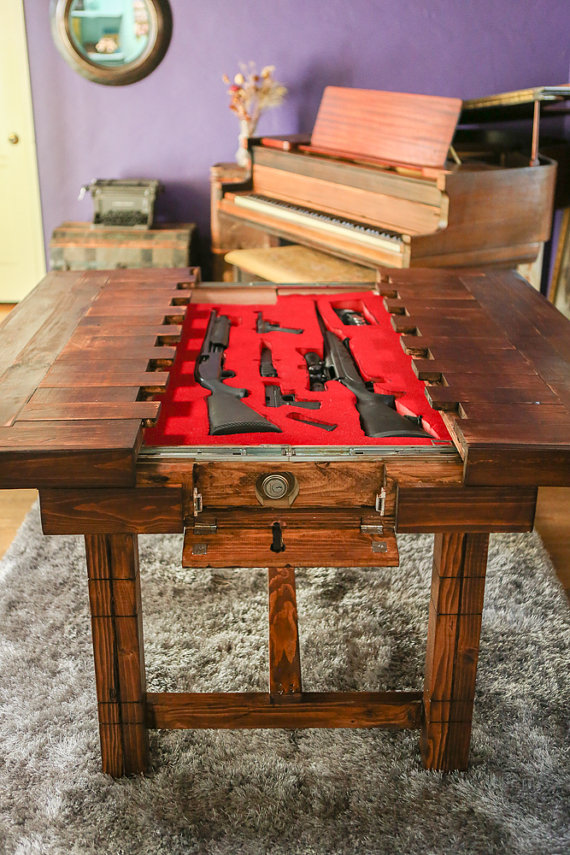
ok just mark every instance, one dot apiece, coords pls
pixel 112 41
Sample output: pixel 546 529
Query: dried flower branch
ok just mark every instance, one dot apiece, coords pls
pixel 252 93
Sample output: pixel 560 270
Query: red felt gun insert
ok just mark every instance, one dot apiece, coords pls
pixel 375 348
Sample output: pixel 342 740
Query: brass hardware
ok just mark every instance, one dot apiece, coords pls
pixel 197 501
pixel 14 139
pixel 200 549
pixel 276 489
pixel 379 546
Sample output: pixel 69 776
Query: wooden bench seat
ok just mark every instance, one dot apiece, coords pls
pixel 294 264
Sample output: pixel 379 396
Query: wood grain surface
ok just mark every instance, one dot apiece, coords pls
pixel 284 656
pixel 305 546
pixel 150 510
pixel 391 126
pixel 326 484
pixel 454 628
pixel 118 648
pixel 393 710
pixel 76 358
pixel 497 362
pixel 434 509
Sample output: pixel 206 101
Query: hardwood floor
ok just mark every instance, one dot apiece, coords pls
pixel 552 522
pixel 552 517
pixel 14 506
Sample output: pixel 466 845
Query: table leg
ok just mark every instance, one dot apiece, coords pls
pixel 454 628
pixel 116 620
pixel 284 657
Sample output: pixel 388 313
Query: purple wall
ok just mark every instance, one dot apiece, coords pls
pixel 175 123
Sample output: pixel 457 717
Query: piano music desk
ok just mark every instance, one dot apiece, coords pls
pixel 76 424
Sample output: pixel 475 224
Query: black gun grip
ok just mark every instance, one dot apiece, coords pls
pixel 379 420
pixel 229 415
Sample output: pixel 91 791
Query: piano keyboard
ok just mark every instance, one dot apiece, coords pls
pixel 348 229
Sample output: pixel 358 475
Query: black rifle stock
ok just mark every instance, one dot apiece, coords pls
pixel 227 413
pixel 378 415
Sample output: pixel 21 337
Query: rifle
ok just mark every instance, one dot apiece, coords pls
pixel 226 412
pixel 378 415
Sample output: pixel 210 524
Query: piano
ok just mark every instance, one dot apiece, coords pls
pixel 383 180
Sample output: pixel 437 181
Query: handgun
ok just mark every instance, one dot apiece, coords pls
pixel 274 397
pixel 268 326
pixel 226 412
pixel 378 415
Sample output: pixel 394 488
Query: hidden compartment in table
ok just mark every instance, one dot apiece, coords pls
pixel 287 354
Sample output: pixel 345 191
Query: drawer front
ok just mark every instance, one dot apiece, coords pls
pixel 291 484
pixel 271 539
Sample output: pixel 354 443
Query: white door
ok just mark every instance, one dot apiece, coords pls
pixel 22 262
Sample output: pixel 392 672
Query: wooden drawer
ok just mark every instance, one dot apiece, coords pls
pixel 312 484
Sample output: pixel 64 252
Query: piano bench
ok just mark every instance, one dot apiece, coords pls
pixel 294 264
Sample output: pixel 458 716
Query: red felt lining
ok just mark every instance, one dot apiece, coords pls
pixel 376 348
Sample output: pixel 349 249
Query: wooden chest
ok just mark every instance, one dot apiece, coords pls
pixel 84 246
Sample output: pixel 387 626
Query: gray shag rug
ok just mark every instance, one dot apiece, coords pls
pixel 313 791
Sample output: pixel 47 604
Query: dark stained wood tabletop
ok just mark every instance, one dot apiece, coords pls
pixel 496 359
pixel 79 356
pixel 76 356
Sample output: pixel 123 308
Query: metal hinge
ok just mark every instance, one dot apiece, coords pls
pixel 205 528
pixel 371 529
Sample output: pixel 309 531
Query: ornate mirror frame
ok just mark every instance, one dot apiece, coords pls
pixel 159 38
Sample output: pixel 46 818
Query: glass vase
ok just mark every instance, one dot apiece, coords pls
pixel 246 130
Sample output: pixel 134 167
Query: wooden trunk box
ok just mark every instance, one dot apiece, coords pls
pixel 84 246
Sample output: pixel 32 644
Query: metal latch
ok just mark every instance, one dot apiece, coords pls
pixel 381 501
pixel 197 501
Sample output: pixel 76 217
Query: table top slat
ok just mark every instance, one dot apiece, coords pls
pixel 75 357
pixel 501 372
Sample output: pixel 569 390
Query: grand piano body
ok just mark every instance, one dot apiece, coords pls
pixel 380 183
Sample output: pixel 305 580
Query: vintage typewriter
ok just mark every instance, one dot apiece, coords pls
pixel 384 179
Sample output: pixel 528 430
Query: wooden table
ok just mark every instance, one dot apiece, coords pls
pixel 84 363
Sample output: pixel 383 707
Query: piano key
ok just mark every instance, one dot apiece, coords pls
pixel 369 235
